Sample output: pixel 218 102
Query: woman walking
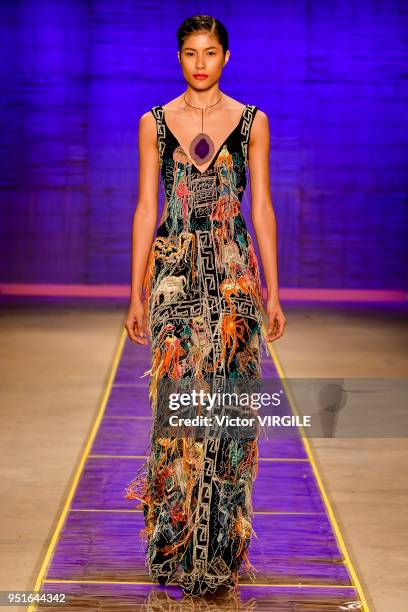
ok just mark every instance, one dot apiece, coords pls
pixel 196 292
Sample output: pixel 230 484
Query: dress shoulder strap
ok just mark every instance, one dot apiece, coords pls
pixel 158 113
pixel 247 120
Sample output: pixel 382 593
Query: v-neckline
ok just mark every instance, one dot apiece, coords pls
pixel 219 149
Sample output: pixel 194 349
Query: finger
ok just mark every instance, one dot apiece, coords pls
pixel 130 329
pixel 271 323
pixel 279 327
pixel 140 332
pixel 146 329
pixel 268 335
pixel 147 335
pixel 274 330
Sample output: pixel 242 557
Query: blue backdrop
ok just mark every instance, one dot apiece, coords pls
pixel 331 75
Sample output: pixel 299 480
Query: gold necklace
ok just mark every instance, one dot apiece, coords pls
pixel 202 146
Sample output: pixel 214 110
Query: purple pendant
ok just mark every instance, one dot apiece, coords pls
pixel 201 148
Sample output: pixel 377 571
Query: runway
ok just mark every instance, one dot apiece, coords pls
pixel 95 555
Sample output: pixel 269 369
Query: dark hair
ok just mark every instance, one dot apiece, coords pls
pixel 199 23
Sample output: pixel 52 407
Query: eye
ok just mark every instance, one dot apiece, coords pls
pixel 212 52
pixel 189 53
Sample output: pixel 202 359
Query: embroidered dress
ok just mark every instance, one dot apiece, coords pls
pixel 204 311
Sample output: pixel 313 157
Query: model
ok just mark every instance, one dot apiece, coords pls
pixel 196 292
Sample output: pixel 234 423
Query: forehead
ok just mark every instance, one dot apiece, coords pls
pixel 201 40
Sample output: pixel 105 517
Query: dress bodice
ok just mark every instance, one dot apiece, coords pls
pixel 225 177
pixel 203 238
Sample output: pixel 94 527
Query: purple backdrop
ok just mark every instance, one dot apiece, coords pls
pixel 331 75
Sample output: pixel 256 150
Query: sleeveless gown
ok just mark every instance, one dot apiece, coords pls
pixel 204 311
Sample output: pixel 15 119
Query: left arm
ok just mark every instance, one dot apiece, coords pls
pixel 264 221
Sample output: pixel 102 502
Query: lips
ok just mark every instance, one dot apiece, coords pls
pixel 200 76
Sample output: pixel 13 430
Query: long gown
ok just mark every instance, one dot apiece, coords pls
pixel 204 312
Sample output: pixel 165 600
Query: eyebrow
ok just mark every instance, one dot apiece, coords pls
pixel 192 49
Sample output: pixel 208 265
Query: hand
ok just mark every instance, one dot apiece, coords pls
pixel 276 320
pixel 135 325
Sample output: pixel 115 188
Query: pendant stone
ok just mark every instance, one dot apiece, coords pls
pixel 201 148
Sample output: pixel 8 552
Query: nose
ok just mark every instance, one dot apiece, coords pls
pixel 200 62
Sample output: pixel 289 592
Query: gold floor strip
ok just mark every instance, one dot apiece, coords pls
pixel 281 459
pixel 141 384
pixel 128 417
pixel 255 512
pixel 40 578
pixel 299 585
pixel 332 518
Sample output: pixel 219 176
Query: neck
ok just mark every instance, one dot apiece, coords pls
pixel 203 99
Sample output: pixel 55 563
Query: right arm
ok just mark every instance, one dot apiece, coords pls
pixel 144 224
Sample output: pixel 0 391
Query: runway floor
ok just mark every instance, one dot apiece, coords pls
pixel 95 554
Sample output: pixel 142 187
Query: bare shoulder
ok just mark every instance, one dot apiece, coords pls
pixel 261 118
pixel 147 119
pixel 147 133
pixel 147 125
pixel 260 125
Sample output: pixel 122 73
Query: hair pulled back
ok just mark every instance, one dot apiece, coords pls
pixel 198 23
